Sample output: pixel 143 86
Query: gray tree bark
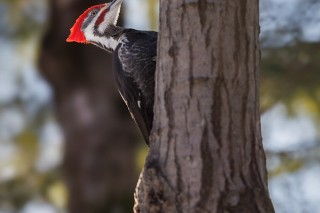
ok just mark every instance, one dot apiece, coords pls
pixel 206 151
pixel 99 164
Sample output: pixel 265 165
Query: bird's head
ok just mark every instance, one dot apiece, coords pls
pixel 94 22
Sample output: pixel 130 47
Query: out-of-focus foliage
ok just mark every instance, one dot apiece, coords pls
pixel 27 177
pixel 142 14
pixel 153 14
pixel 290 74
pixel 286 22
pixel 290 101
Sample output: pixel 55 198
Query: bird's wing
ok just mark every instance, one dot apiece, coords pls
pixel 135 67
pixel 132 97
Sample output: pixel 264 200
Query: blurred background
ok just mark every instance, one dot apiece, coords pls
pixel 62 123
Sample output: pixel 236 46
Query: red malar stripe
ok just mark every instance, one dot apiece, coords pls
pixel 101 17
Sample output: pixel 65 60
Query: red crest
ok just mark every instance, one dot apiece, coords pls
pixel 75 32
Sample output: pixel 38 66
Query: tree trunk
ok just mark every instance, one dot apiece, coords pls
pixel 206 151
pixel 99 164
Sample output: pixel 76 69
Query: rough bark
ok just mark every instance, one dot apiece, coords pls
pixel 99 163
pixel 206 151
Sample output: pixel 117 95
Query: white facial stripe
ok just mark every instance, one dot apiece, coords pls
pixel 110 18
pixel 105 23
pixel 108 43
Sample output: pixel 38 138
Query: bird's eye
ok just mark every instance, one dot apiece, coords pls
pixel 93 13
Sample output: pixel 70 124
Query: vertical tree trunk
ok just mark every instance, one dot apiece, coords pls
pixel 99 160
pixel 206 151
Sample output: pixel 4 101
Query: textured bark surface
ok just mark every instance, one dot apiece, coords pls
pixel 99 164
pixel 206 151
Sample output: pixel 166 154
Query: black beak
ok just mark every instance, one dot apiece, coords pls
pixel 113 2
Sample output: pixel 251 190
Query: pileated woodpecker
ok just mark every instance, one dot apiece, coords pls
pixel 134 58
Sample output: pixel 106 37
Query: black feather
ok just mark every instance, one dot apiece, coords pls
pixel 134 61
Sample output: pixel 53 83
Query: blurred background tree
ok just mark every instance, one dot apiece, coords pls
pixel 79 90
pixel 100 137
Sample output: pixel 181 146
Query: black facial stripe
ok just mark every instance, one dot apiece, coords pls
pixel 111 31
pixel 96 32
pixel 89 19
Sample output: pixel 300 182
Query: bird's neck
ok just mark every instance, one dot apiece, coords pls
pixel 110 39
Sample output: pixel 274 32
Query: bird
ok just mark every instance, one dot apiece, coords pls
pixel 134 58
